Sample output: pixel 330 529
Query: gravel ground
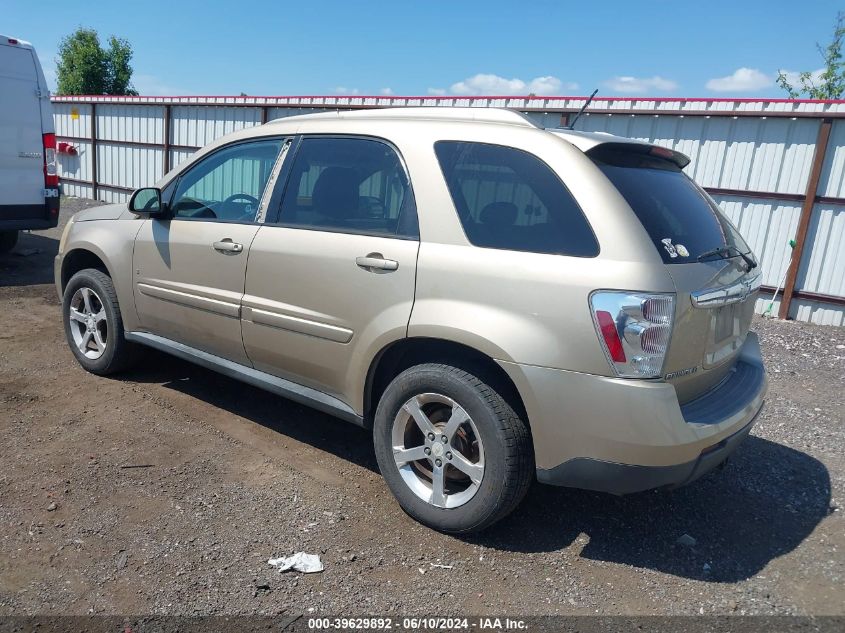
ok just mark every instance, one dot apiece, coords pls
pixel 165 491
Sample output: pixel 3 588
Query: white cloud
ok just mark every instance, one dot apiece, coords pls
pixel 437 91
pixel 793 77
pixel 343 90
pixel 640 85
pixel 549 85
pixel 152 86
pixel 488 84
pixel 386 91
pixel 742 80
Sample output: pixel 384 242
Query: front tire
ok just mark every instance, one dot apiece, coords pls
pixel 453 452
pixel 93 324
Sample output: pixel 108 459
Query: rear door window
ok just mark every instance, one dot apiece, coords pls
pixel 681 219
pixel 349 185
pixel 509 199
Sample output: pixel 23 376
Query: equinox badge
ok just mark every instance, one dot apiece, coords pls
pixel 680 372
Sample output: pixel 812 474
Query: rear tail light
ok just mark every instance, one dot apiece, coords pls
pixel 634 329
pixel 51 174
pixel 612 342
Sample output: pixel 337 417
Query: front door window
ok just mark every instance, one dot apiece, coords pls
pixel 228 184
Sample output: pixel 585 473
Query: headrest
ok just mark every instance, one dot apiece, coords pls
pixel 499 214
pixel 336 192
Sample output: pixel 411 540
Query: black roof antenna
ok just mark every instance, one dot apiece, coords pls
pixel 587 103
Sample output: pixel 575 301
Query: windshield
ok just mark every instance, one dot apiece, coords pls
pixel 682 220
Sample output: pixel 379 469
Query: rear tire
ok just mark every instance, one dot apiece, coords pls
pixel 8 240
pixel 93 324
pixel 487 461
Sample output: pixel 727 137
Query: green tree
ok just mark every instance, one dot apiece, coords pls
pixel 81 64
pixel 118 56
pixel 85 67
pixel 830 82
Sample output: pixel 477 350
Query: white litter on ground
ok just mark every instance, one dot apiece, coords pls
pixel 306 563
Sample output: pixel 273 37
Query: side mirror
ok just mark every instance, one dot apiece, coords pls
pixel 147 202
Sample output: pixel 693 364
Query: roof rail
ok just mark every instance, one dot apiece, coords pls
pixel 440 113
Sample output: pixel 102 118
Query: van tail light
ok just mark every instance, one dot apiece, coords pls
pixel 634 330
pixel 51 174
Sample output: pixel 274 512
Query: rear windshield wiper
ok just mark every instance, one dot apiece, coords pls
pixel 727 250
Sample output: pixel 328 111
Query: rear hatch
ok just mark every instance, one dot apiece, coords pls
pixel 715 274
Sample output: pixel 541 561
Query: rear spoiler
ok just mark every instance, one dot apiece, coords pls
pixel 657 151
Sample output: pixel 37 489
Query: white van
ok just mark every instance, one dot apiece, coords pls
pixel 29 181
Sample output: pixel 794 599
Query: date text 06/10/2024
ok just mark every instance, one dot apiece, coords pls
pixel 419 623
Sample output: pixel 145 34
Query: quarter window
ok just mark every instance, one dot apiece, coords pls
pixel 351 185
pixel 510 199
pixel 227 185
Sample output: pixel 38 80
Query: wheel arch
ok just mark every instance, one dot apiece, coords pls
pixel 407 352
pixel 80 258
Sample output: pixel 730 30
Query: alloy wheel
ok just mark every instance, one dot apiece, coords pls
pixel 88 323
pixel 438 450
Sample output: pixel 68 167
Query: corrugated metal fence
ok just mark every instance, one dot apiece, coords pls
pixel 777 167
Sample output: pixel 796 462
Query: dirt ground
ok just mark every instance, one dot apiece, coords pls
pixel 165 491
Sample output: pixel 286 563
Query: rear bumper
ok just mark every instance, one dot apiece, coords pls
pixel 624 436
pixel 621 479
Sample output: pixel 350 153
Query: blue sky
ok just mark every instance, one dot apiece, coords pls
pixel 624 48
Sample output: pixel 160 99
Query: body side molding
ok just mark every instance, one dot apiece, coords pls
pixel 280 386
pixel 191 300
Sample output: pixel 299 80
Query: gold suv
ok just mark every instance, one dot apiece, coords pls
pixel 495 301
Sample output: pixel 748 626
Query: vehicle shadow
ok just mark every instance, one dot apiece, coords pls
pixel 30 262
pixel 762 505
pixel 278 414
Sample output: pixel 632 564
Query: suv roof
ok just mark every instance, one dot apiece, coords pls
pixel 584 141
pixel 423 113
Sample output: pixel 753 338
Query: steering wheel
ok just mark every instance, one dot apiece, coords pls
pixel 242 196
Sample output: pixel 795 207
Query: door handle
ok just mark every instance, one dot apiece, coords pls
pixel 228 246
pixel 375 262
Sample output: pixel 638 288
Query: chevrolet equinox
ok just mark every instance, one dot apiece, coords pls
pixel 494 301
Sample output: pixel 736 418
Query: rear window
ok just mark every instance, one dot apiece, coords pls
pixel 510 199
pixel 682 220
